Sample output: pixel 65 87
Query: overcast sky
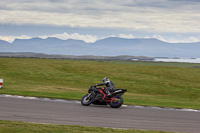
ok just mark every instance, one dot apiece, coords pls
pixel 167 20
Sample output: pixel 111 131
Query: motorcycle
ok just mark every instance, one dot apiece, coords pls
pixel 98 96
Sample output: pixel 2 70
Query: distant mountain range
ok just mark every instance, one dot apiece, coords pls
pixel 112 46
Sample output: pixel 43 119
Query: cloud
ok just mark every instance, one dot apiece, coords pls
pixel 64 36
pixel 178 39
pixel 91 38
pixel 129 36
pixel 176 16
pixel 12 38
pixel 193 39
pixel 76 36
pixel 184 1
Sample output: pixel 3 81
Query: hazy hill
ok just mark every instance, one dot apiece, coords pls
pixel 112 46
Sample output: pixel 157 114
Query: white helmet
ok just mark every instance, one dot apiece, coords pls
pixel 106 80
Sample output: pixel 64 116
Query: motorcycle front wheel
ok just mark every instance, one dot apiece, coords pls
pixel 118 103
pixel 86 100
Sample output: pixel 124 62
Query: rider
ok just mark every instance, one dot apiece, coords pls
pixel 109 85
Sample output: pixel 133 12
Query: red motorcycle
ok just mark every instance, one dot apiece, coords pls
pixel 98 96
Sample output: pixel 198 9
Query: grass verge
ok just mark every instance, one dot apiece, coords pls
pixel 148 83
pixel 22 127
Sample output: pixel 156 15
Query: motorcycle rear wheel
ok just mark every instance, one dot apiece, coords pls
pixel 118 103
pixel 86 101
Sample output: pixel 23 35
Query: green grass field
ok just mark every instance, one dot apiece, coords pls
pixel 148 83
pixel 22 127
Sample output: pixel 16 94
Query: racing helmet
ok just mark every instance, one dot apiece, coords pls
pixel 106 80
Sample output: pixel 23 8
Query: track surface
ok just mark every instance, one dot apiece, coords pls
pixel 41 111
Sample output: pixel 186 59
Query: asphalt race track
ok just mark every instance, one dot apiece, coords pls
pixel 73 113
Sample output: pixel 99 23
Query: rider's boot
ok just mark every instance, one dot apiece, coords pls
pixel 108 93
